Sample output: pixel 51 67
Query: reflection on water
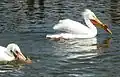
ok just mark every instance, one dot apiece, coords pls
pixel 11 67
pixel 77 57
pixel 81 48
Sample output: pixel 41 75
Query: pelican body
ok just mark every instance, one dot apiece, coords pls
pixel 74 29
pixel 11 52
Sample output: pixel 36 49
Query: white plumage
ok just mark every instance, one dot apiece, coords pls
pixel 74 29
pixel 11 52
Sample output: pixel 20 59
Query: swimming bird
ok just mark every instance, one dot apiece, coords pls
pixel 74 29
pixel 11 52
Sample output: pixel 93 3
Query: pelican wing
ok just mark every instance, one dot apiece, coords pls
pixel 71 26
pixel 3 55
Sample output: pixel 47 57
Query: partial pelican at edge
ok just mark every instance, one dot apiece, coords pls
pixel 12 52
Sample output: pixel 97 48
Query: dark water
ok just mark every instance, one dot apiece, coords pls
pixel 27 23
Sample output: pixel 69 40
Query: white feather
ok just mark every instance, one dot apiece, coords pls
pixel 75 29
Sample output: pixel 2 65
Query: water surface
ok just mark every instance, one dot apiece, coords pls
pixel 27 23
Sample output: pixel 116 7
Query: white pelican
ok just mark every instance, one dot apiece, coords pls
pixel 75 29
pixel 11 52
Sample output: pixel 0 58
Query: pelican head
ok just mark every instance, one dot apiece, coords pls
pixel 13 50
pixel 95 21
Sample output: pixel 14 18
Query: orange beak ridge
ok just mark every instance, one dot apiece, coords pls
pixel 101 25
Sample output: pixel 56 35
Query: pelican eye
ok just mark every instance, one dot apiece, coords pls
pixel 16 52
pixel 11 51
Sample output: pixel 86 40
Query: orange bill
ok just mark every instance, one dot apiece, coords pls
pixel 20 56
pixel 101 25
